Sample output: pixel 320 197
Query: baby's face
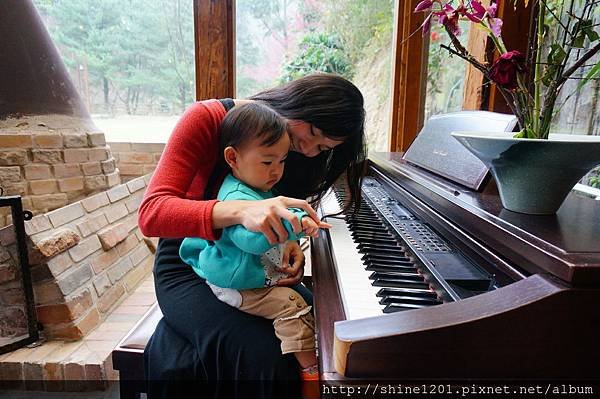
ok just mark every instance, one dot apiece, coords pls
pixel 259 166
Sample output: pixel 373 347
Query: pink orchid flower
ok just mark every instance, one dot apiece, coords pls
pixel 480 12
pixel 449 17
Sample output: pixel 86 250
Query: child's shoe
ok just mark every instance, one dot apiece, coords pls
pixel 310 382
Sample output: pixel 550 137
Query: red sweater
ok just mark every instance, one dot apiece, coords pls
pixel 173 205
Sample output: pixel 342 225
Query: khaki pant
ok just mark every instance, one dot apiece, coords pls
pixel 294 324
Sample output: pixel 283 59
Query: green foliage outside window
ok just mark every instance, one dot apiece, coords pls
pixel 318 52
pixel 137 56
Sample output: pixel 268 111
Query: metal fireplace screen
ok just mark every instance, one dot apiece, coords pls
pixel 18 324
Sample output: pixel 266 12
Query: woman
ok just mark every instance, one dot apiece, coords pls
pixel 201 338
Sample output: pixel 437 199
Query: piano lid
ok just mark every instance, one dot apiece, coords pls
pixel 566 245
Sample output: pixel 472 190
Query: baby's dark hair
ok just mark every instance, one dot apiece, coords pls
pixel 248 122
pixel 241 125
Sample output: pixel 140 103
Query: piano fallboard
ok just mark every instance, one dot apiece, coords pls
pixel 540 320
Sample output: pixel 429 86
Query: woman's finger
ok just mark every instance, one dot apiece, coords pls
pixel 302 204
pixel 276 225
pixel 269 234
pixel 292 219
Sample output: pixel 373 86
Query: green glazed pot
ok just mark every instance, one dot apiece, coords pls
pixel 534 176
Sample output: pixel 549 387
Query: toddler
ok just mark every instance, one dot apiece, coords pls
pixel 242 268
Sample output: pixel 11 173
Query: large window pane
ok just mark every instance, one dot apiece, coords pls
pixel 280 40
pixel 445 73
pixel 578 112
pixel 133 61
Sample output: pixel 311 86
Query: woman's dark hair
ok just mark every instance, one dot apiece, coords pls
pixel 240 126
pixel 334 105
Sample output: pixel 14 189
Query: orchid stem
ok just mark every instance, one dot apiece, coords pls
pixel 538 70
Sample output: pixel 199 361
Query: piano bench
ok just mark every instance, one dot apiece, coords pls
pixel 128 355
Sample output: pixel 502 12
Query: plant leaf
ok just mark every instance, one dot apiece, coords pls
pixel 557 54
pixel 592 73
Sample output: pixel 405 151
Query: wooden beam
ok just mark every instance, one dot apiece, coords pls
pixel 214 34
pixel 474 90
pixel 515 33
pixel 409 76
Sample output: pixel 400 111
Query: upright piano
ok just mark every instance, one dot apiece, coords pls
pixel 431 279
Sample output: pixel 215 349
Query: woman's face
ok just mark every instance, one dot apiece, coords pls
pixel 309 140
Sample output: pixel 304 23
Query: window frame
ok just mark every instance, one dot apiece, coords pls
pixel 215 62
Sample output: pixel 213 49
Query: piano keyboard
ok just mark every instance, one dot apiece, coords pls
pixel 374 273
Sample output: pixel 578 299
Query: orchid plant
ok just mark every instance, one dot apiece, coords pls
pixel 530 84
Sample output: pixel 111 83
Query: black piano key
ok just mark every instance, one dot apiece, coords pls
pixel 367 227
pixel 382 247
pixel 367 236
pixel 389 268
pixel 406 291
pixel 376 241
pixel 375 257
pixel 401 300
pixel 369 233
pixel 370 262
pixel 376 252
pixel 366 218
pixel 401 276
pixel 386 282
pixel 393 308
pixel 399 256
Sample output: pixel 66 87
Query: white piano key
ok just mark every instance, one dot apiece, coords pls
pixel 358 295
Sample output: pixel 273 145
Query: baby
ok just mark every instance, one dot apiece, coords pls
pixel 242 268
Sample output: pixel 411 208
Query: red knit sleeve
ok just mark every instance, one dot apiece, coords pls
pixel 172 206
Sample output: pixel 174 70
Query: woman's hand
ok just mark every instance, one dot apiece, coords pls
pixel 292 264
pixel 263 216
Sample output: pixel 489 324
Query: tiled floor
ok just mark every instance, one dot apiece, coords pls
pixel 84 358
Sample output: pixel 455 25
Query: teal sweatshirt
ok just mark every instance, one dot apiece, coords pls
pixel 234 261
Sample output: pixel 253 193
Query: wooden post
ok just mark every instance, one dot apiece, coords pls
pixel 409 75
pixel 515 32
pixel 214 32
pixel 474 92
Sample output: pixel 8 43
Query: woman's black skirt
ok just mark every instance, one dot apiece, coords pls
pixel 203 348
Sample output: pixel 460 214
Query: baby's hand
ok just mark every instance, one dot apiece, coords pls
pixel 311 228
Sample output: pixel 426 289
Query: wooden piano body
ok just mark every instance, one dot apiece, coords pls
pixel 542 322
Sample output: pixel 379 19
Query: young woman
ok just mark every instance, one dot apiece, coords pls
pixel 201 338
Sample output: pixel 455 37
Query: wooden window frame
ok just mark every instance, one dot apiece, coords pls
pixel 409 74
pixel 214 38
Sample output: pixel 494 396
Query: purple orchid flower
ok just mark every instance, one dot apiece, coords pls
pixel 480 12
pixel 424 6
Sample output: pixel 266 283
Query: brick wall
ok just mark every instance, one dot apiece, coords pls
pixel 13 314
pixel 53 160
pixel 136 159
pixel 85 257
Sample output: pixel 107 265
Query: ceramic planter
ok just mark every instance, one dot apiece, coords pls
pixel 534 176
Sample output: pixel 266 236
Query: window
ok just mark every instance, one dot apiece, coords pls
pixel 280 40
pixel 133 62
pixel 578 112
pixel 445 73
